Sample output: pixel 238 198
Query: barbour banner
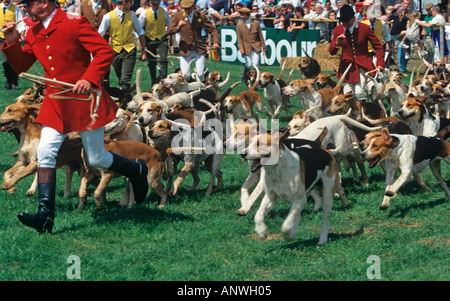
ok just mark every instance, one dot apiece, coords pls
pixel 279 44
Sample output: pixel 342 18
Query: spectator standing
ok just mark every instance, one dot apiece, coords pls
pixel 189 23
pixel 331 25
pixel 10 13
pixel 340 3
pixel 321 14
pixel 155 20
pixel 120 23
pixel 282 20
pixel 164 4
pixel 428 44
pixel 398 30
pixel 438 18
pixel 142 8
pixel 172 8
pixel 299 14
pixel 268 13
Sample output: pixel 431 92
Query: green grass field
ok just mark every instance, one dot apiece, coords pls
pixel 198 238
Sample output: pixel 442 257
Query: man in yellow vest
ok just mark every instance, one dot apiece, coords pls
pixel 381 31
pixel 10 13
pixel 121 23
pixel 155 20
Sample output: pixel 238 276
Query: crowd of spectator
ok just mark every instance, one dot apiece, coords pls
pixel 322 15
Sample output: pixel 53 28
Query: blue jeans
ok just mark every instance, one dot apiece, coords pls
pixel 402 62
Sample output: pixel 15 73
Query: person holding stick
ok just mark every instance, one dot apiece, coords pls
pixel 10 13
pixel 189 23
pixel 75 58
pixel 120 23
pixel 155 20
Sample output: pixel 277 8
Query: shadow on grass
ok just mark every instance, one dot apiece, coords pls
pixel 332 236
pixel 403 211
pixel 138 214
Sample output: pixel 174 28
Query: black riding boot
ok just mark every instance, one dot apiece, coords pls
pixel 7 72
pixel 135 171
pixel 43 220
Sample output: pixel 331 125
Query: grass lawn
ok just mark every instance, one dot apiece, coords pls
pixel 199 238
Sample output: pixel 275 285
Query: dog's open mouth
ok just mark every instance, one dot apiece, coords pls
pixel 168 86
pixel 438 97
pixel 7 125
pixel 373 162
pixel 256 165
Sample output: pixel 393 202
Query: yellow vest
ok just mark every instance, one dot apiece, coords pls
pixel 378 32
pixel 122 36
pixel 9 16
pixel 155 32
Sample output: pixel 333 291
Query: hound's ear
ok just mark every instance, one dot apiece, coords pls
pixel 181 79
pixel 307 119
pixel 159 109
pixel 284 135
pixel 348 95
pixel 311 88
pixel 386 136
pixel 421 99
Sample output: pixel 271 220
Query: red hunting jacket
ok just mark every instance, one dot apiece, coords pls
pixel 355 50
pixel 64 49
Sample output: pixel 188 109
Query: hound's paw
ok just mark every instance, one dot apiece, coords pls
pixel 6 186
pixel 389 193
pixel 241 212
pixel 384 206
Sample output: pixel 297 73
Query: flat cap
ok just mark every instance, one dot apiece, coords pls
pixel 187 3
pixel 428 5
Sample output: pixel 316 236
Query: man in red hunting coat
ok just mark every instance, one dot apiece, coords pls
pixel 353 37
pixel 71 51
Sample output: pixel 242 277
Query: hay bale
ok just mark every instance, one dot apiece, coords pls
pixel 327 61
pixel 321 52
pixel 291 63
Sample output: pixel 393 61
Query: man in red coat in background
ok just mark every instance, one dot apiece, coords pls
pixel 353 37
pixel 64 45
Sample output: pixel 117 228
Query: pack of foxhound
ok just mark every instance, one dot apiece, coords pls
pixel 402 128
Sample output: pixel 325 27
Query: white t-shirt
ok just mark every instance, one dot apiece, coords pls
pixel 412 32
pixel 438 19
